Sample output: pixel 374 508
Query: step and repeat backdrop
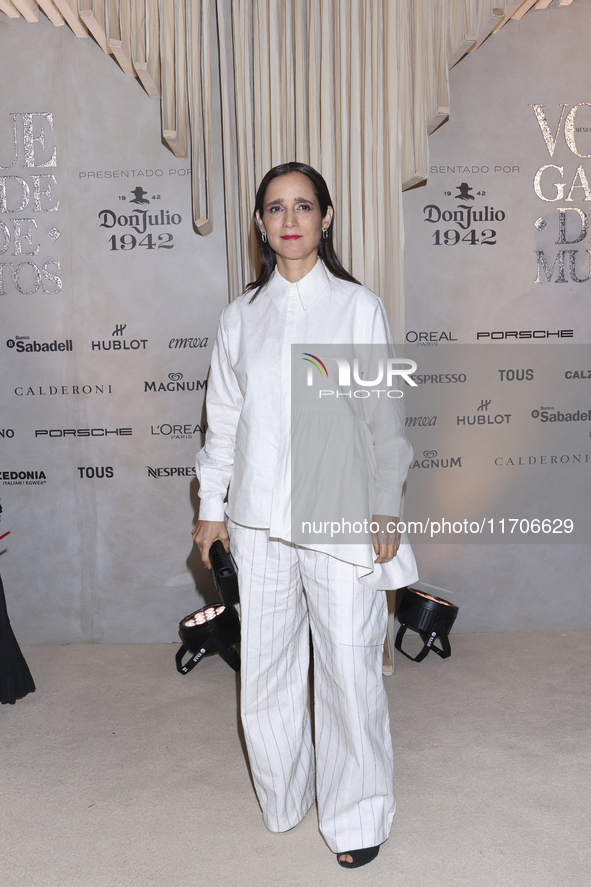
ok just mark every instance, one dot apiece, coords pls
pixel 109 303
pixel 499 322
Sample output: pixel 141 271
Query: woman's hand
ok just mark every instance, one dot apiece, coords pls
pixel 387 539
pixel 205 534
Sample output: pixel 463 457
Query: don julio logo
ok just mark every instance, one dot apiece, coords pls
pixel 463 217
pixel 430 460
pixel 139 221
pixel 175 384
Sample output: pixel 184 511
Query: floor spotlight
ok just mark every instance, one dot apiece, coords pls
pixel 431 617
pixel 211 629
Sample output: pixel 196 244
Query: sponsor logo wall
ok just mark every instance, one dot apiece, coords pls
pixel 509 427
pixel 498 251
pixel 98 255
pixel 107 295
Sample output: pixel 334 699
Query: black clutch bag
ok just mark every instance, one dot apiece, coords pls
pixel 224 573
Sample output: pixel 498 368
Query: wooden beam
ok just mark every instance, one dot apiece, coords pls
pixel 525 7
pixel 28 9
pixel 8 9
pixel 92 13
pixel 52 12
pixel 69 10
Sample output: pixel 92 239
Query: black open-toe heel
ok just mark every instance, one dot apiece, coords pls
pixel 360 857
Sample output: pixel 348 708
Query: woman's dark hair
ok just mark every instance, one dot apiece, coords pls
pixel 326 249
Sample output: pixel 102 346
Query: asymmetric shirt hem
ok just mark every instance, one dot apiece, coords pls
pixel 247 452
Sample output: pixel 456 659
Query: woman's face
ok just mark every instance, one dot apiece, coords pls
pixel 292 219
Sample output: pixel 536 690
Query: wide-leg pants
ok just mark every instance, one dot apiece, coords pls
pixel 286 590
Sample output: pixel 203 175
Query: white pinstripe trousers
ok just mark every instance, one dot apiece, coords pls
pixel 285 590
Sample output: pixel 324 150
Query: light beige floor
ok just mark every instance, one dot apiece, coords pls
pixel 118 772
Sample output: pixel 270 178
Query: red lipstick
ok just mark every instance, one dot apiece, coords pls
pixel 290 236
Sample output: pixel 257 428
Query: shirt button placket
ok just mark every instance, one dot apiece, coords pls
pixel 282 486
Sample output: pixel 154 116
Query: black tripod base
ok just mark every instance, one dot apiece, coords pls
pixel 428 644
pixel 228 654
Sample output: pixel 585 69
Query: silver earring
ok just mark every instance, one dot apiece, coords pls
pixel 263 237
pixel 325 233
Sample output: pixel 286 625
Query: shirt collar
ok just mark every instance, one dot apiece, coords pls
pixel 309 288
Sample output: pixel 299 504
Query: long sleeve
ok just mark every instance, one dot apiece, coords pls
pixel 385 419
pixel 215 460
pixel 249 449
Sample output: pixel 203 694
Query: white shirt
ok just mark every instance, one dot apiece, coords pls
pixel 247 445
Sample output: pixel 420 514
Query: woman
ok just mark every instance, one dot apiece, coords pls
pixel 303 294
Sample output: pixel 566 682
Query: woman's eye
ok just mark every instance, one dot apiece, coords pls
pixel 304 206
pixel 277 208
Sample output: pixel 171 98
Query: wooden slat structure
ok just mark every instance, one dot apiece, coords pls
pixel 353 87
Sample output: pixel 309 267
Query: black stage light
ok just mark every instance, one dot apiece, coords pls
pixel 224 573
pixel 211 629
pixel 430 617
